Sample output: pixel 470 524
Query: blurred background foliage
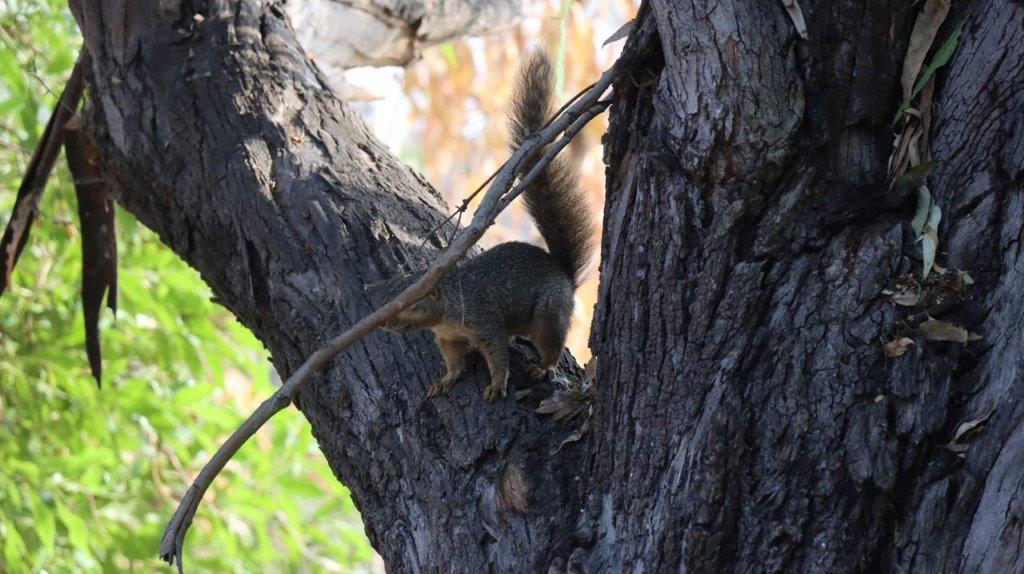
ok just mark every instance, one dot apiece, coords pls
pixel 89 476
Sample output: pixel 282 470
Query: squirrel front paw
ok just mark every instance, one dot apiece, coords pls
pixel 493 392
pixel 439 387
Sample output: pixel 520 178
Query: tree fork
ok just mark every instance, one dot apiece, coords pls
pixel 746 417
pixel 225 140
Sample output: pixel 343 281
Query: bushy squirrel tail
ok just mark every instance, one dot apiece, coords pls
pixel 554 200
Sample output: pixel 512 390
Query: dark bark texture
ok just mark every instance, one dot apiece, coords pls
pixel 227 141
pixel 746 418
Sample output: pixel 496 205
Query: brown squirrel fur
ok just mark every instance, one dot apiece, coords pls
pixel 514 288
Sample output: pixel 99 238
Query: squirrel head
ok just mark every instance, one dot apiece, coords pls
pixel 421 314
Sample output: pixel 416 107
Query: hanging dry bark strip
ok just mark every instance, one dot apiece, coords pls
pixel 926 27
pixel 500 194
pixel 99 244
pixel 38 172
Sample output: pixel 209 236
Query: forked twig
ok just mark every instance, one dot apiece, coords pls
pixel 568 123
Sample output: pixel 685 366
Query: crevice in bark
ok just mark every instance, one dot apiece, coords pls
pixel 749 301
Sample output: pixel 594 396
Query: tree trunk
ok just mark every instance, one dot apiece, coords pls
pixel 746 417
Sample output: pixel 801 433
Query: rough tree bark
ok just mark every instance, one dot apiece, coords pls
pixel 746 418
pixel 226 140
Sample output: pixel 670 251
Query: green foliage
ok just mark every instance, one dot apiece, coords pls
pixel 88 477
pixel 941 58
pixel 926 226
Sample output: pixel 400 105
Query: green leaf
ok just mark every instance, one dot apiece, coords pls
pixel 301 486
pixel 46 526
pixel 448 49
pixel 917 172
pixel 941 58
pixel 924 207
pixel 929 244
pixel 77 530
pixel 14 548
pixel 926 227
pixel 930 239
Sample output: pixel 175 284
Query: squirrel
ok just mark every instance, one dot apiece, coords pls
pixel 514 288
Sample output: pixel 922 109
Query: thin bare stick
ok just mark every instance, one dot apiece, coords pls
pixel 570 122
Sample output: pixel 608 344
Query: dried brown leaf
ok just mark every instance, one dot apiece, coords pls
pixel 898 347
pixel 913 150
pixel 621 33
pixel 99 242
pixel 566 408
pixel 900 158
pixel 966 432
pixel 969 430
pixel 574 437
pixel 548 406
pixel 590 370
pixel 907 298
pixel 932 15
pixel 925 105
pixel 938 330
pixel 513 489
pixel 579 432
pixel 797 16
pixel 958 449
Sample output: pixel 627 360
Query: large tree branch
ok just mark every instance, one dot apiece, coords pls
pixel 349 33
pixel 497 198
pixel 227 141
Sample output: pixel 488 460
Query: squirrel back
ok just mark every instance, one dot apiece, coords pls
pixel 554 200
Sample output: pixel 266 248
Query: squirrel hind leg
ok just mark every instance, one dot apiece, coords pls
pixel 549 338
